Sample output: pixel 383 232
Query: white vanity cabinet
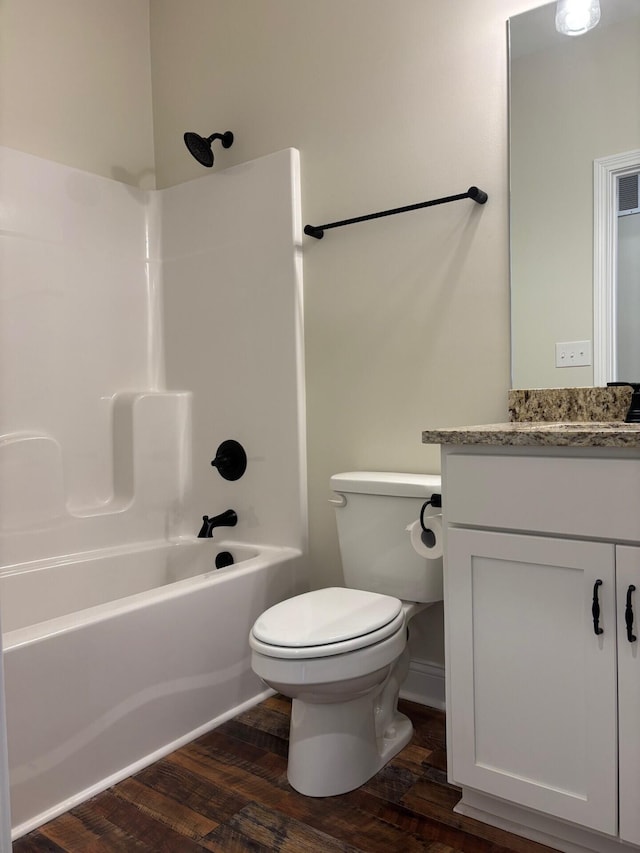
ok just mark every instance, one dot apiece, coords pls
pixel 542 550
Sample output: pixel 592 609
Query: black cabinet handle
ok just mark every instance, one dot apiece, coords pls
pixel 628 615
pixel 595 608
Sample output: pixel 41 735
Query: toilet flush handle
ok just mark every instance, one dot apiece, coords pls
pixel 340 500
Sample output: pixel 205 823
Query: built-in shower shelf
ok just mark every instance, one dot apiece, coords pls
pixel 151 466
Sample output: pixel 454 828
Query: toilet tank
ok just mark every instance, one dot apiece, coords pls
pixel 373 510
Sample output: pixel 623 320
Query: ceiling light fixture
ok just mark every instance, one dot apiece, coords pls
pixel 576 17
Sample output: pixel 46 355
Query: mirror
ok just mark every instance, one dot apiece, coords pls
pixel 574 123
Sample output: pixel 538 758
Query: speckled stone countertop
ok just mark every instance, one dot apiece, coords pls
pixel 553 417
pixel 540 434
pixel 560 405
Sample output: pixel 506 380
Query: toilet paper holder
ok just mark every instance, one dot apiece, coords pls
pixel 426 532
pixel 436 501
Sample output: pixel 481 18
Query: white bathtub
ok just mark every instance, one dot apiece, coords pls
pixel 115 658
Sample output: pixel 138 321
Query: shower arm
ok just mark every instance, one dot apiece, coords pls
pixel 317 231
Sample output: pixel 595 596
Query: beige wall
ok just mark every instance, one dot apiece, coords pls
pixel 75 84
pixel 389 103
pixel 406 318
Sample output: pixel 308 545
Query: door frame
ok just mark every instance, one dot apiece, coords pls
pixel 606 171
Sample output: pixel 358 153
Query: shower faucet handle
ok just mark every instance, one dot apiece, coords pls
pixel 231 460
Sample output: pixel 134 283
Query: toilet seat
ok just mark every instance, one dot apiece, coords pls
pixel 326 622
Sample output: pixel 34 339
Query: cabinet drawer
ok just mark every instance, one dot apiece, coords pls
pixel 587 497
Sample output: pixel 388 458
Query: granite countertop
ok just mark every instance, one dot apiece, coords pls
pixel 553 417
pixel 540 434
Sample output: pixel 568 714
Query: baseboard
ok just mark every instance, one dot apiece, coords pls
pixel 554 833
pixel 425 684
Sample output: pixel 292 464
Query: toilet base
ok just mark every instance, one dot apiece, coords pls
pixel 333 748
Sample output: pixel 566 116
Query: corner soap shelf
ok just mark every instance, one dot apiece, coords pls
pixel 150 465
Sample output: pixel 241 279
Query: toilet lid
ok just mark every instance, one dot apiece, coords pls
pixel 327 616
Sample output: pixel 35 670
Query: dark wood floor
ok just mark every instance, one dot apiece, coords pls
pixel 228 792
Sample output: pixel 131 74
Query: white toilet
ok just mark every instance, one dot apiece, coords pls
pixel 341 653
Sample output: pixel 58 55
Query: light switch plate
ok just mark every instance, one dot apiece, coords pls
pixel 573 354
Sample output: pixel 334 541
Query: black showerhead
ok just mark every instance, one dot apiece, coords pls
pixel 200 147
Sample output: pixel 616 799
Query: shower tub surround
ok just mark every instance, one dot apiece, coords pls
pixel 121 638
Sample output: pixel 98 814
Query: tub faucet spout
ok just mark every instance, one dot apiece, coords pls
pixel 225 519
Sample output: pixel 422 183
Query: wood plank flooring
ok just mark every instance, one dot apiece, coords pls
pixel 228 792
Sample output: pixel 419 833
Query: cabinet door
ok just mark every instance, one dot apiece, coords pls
pixel 532 686
pixel 628 575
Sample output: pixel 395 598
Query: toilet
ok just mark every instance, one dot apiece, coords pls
pixel 341 654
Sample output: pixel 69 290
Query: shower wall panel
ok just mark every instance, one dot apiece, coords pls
pixel 73 285
pixel 81 365
pixel 232 289
pixel 94 452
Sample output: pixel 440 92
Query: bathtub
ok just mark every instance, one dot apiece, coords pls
pixel 115 658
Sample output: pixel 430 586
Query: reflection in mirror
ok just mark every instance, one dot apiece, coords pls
pixel 627 319
pixel 574 114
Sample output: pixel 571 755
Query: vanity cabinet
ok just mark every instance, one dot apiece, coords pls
pixel 542 555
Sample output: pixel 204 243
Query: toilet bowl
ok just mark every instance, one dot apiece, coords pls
pixel 341 654
pixel 343 681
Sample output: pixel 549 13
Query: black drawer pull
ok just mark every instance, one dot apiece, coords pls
pixel 628 615
pixel 595 609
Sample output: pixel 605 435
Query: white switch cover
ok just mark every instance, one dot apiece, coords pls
pixel 573 354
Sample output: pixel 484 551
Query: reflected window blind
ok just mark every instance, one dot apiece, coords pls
pixel 628 201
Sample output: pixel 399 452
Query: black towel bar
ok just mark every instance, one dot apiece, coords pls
pixel 317 231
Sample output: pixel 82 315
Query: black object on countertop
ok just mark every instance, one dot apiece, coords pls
pixel 633 415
